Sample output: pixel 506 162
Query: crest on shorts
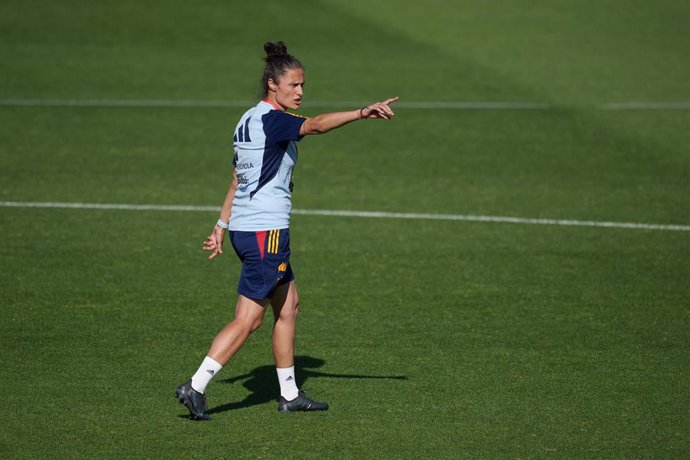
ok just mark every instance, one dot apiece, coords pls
pixel 282 267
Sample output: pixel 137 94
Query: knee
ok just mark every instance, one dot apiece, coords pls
pixel 290 311
pixel 256 324
pixel 247 326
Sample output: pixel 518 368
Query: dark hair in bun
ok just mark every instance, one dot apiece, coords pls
pixel 278 61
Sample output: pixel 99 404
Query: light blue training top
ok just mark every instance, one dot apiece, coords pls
pixel 265 153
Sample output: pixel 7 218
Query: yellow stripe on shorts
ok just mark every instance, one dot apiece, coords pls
pixel 273 240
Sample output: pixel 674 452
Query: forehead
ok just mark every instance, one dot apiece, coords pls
pixel 293 75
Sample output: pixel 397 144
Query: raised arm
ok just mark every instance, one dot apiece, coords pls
pixel 214 242
pixel 326 122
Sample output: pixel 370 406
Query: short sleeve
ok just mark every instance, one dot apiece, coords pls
pixel 282 126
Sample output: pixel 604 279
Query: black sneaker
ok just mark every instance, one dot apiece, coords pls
pixel 300 403
pixel 193 400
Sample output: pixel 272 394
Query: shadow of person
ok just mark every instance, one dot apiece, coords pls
pixel 263 386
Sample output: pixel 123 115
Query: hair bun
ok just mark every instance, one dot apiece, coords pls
pixel 275 49
pixel 278 61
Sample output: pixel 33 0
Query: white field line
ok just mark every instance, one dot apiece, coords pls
pixel 364 214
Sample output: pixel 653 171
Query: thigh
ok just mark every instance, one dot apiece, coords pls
pixel 250 310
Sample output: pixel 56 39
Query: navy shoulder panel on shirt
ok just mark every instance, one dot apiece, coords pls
pixel 282 126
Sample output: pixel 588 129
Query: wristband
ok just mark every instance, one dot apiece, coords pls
pixel 222 224
pixel 361 113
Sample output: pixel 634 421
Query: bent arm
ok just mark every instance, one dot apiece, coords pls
pixel 328 121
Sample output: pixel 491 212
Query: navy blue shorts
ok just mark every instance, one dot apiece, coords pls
pixel 265 260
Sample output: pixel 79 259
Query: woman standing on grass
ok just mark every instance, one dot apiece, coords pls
pixel 256 211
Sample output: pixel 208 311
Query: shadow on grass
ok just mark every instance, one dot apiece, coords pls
pixel 263 386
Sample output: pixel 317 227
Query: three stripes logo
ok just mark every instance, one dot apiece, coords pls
pixel 273 240
pixel 242 134
pixel 282 267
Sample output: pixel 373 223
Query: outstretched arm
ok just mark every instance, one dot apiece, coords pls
pixel 214 242
pixel 323 123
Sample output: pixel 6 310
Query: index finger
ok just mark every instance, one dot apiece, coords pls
pixel 391 100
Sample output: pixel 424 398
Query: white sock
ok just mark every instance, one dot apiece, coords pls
pixel 288 385
pixel 209 367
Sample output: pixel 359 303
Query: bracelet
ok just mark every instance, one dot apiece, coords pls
pixel 222 224
pixel 361 113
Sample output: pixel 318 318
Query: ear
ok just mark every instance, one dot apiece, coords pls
pixel 272 85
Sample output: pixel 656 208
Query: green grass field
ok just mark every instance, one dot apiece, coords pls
pixel 430 339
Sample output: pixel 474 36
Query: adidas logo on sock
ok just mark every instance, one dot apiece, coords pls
pixel 289 378
pixel 211 371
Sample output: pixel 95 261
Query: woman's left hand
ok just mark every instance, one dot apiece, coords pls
pixel 214 242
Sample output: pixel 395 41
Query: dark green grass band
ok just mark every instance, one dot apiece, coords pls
pixel 428 105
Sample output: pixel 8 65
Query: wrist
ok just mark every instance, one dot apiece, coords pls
pixel 361 113
pixel 221 224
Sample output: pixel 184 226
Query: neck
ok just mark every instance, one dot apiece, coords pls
pixel 271 99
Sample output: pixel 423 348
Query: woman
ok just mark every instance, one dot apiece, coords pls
pixel 256 211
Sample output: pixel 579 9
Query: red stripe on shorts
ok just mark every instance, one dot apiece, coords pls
pixel 261 241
